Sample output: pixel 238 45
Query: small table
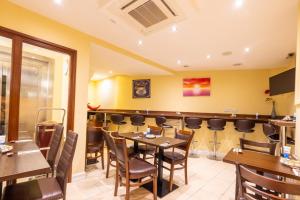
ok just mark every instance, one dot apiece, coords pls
pixel 260 162
pixel 163 185
pixel 26 161
pixel 283 124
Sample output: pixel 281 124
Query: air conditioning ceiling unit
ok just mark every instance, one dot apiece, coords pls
pixel 149 15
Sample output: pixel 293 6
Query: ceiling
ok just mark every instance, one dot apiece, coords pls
pixel 210 27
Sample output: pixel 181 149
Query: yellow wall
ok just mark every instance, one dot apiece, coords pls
pixel 297 93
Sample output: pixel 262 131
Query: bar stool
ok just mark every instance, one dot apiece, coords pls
pixel 215 125
pixel 161 122
pixel 100 119
pixel 193 123
pixel 244 126
pixel 118 120
pixel 137 120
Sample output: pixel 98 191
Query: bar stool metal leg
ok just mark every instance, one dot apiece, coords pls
pixel 192 154
pixel 215 143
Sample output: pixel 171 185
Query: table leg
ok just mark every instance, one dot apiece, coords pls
pixel 236 186
pixel 135 147
pixel 0 190
pixel 105 118
pixel 160 164
pixel 182 123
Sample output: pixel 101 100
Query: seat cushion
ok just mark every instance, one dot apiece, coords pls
pixel 42 189
pixel 175 157
pixel 139 168
pixel 93 149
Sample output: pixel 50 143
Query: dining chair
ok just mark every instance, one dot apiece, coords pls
pixel 267 148
pixel 178 156
pixel 145 149
pixel 248 191
pixel 133 168
pixel 55 143
pixel 111 152
pixel 94 145
pixel 47 188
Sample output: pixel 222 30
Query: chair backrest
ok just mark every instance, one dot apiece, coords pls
pixel 216 123
pixel 121 152
pixel 187 136
pixel 94 136
pixel 65 161
pixel 155 130
pixel 54 145
pixel 117 118
pixel 267 148
pixel 269 129
pixel 193 122
pixel 137 119
pixel 244 124
pixel 247 178
pixel 160 120
pixel 109 140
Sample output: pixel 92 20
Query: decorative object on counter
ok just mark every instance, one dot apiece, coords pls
pixel 141 88
pixel 196 87
pixel 273 113
pixel 93 108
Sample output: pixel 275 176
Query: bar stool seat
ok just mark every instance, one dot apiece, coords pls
pixel 118 120
pixel 161 122
pixel 215 125
pixel 137 120
pixel 193 123
pixel 244 126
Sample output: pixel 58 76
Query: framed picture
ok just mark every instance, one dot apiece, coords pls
pixel 141 88
pixel 196 87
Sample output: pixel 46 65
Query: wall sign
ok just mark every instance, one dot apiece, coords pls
pixel 196 87
pixel 141 88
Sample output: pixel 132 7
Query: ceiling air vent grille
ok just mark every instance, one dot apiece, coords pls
pixel 148 14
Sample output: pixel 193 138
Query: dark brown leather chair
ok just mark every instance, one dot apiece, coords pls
pixel 215 125
pixel 47 188
pixel 94 146
pixel 145 149
pixel 111 152
pixel 137 120
pixel 118 120
pixel 175 157
pixel 248 191
pixel 273 134
pixel 267 148
pixel 134 168
pixel 54 146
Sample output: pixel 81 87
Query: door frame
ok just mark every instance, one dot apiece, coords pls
pixel 18 39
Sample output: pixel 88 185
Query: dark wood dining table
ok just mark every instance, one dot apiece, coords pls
pixel 26 161
pixel 163 185
pixel 260 162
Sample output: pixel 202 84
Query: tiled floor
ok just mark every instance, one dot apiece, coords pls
pixel 207 180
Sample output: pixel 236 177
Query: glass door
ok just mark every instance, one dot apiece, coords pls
pixel 5 73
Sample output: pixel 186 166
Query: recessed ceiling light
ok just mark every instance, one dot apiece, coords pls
pixel 32 57
pixel 247 49
pixel 179 62
pixel 140 42
pixel 174 28
pixel 238 3
pixel 208 56
pixel 110 72
pixel 58 2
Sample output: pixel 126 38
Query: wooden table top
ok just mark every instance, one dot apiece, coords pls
pixel 260 162
pixel 173 142
pixel 23 163
pixel 284 123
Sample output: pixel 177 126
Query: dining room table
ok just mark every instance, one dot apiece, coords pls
pixel 24 160
pixel 260 162
pixel 162 143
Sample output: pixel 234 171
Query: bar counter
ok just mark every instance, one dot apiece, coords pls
pixel 182 115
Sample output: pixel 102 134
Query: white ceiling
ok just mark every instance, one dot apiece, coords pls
pixel 267 27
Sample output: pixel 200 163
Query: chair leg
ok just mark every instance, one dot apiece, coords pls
pixel 127 189
pixel 102 159
pixel 144 155
pixel 108 165
pixel 116 182
pixel 171 177
pixel 185 173
pixel 154 186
